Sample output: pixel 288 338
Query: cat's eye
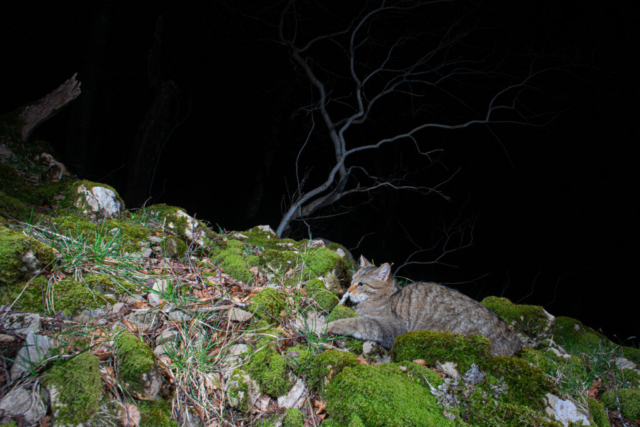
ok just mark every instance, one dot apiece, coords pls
pixel 360 284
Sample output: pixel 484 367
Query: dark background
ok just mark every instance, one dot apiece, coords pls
pixel 552 206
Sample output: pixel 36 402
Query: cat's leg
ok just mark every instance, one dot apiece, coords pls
pixel 384 331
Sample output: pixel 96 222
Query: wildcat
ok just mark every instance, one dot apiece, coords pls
pixel 387 311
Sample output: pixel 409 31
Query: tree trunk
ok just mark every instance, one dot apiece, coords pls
pixel 42 110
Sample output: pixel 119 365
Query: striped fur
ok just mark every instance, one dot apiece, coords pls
pixel 387 311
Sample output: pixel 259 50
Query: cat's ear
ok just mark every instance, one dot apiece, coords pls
pixel 384 272
pixel 364 262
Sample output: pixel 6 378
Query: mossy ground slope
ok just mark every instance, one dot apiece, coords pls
pixel 148 293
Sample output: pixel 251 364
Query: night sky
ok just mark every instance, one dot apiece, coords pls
pixel 549 207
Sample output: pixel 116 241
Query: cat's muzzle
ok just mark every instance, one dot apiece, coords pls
pixel 345 298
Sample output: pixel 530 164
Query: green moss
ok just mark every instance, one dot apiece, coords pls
pixel 72 200
pixel 484 410
pixel 267 305
pixel 293 418
pixel 341 312
pixel 598 414
pixel 13 247
pixel 10 424
pixel 322 261
pixel 629 402
pixel 156 413
pixel 269 240
pixel 238 390
pixel 575 337
pixel 270 370
pixel 136 360
pixel 66 295
pixel 14 208
pixel 80 388
pixel 30 299
pixel 632 354
pixel 433 346
pixel 177 223
pixel 278 259
pixel 550 363
pixel 40 193
pixel 109 284
pixel 236 267
pixel 628 378
pixel 300 358
pixel 528 320
pixel 527 384
pixel 319 293
pixel 385 395
pixel 326 366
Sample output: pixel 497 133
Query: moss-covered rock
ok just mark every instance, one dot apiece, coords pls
pixel 300 358
pixel 341 312
pixel 632 354
pixel 385 395
pixel 319 293
pixel 68 296
pixel 550 363
pixel 40 193
pixel 278 259
pixel 531 322
pixel 79 389
pixel 267 305
pixel 156 413
pixel 109 284
pixel 629 402
pixel 138 368
pixel 242 391
pixel 293 418
pixel 433 347
pixel 322 261
pixel 91 200
pixel 271 371
pixel 21 257
pixel 14 208
pixel 598 415
pixel 576 337
pixel 181 224
pixel 527 384
pixel 326 366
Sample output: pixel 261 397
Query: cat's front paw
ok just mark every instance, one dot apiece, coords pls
pixel 339 327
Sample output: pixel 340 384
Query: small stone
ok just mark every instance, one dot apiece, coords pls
pixel 144 319
pixel 154 239
pixel 179 316
pixel 6 339
pixel 132 299
pixel 159 350
pixel 266 229
pixel 450 369
pixel 167 336
pixel 22 323
pixel 623 363
pixel 146 253
pixel 117 307
pixel 161 286
pixel 35 350
pixel 564 411
pixel 154 299
pixel 239 315
pixel 296 396
pixel 20 401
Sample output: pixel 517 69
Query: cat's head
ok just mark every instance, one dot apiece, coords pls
pixel 370 282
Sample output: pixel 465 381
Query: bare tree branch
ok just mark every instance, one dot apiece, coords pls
pixel 371 64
